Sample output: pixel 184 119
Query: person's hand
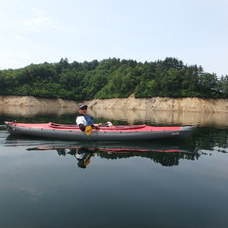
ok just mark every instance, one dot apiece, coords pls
pixel 97 126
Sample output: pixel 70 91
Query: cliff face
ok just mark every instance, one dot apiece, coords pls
pixel 131 103
pixel 29 101
pixel 163 104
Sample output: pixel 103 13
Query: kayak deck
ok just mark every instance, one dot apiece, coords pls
pixel 117 128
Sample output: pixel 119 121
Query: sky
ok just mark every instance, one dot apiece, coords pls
pixel 38 31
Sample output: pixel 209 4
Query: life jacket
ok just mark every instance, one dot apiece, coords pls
pixel 89 119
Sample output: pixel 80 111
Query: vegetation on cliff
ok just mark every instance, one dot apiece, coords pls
pixel 113 78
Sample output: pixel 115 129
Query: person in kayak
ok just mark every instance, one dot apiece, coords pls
pixel 83 119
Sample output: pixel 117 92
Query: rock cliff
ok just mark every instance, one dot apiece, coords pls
pixel 163 104
pixel 131 103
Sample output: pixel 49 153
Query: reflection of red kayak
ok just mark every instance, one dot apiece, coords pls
pixel 71 132
pixel 112 150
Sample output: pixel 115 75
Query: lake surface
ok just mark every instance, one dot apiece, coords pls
pixel 159 183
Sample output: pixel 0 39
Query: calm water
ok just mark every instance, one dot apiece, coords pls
pixel 161 183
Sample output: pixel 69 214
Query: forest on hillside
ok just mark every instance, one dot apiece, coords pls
pixel 113 78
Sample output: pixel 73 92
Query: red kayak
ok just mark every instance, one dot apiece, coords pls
pixel 120 132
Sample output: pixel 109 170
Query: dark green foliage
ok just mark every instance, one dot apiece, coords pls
pixel 223 86
pixel 112 78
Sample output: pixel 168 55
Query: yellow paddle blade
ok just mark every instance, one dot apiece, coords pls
pixel 88 130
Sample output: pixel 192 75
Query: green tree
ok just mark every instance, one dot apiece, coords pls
pixel 110 78
pixel 223 86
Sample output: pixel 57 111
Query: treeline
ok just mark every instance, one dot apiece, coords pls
pixel 113 78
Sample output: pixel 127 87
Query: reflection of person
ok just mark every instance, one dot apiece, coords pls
pixel 83 156
pixel 83 119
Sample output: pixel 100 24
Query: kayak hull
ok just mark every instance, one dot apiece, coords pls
pixel 117 133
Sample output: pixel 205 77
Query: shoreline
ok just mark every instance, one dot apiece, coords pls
pixel 130 103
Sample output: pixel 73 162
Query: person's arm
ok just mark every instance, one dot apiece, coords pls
pixel 96 126
pixel 82 127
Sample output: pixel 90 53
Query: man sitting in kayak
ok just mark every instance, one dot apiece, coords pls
pixel 84 120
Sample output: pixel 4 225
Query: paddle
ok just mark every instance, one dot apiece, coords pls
pixel 88 130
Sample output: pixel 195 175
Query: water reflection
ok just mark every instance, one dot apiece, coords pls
pixel 139 183
pixel 164 152
pixel 211 139
pixel 169 157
